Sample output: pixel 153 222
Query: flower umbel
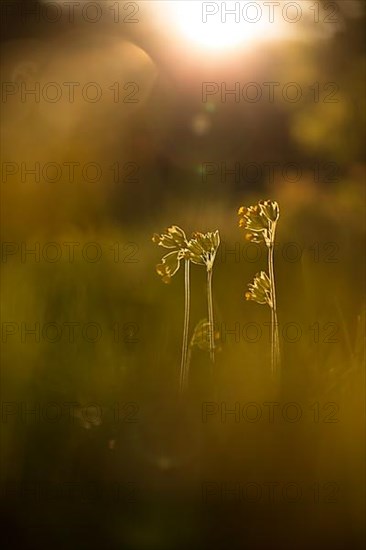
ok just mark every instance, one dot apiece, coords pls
pixel 175 239
pixel 260 290
pixel 202 248
pixel 259 221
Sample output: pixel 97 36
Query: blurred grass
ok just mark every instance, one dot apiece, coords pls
pixel 169 438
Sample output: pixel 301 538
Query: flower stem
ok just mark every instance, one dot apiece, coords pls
pixel 183 365
pixel 210 315
pixel 275 345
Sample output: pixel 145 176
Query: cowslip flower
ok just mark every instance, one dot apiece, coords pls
pixel 260 290
pixel 203 247
pixel 174 239
pixel 259 221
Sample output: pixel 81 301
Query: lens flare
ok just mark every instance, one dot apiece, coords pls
pixel 224 25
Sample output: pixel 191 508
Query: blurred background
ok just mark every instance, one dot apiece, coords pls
pixel 120 119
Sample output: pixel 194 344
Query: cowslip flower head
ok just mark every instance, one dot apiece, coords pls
pixel 202 248
pixel 260 290
pixel 174 239
pixel 259 221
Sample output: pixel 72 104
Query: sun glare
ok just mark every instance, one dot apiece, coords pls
pixel 221 25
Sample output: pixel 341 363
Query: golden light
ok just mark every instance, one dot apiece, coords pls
pixel 223 25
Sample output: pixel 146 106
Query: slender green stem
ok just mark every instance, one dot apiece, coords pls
pixel 275 344
pixel 210 315
pixel 188 362
pixel 183 365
